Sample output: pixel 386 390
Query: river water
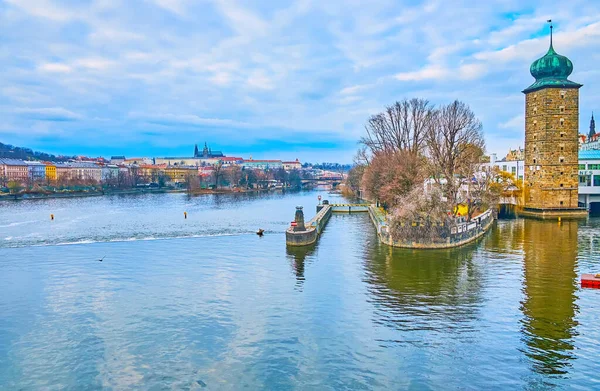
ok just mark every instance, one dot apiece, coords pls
pixel 204 303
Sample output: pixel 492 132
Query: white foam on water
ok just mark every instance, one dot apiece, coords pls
pixel 130 239
pixel 17 223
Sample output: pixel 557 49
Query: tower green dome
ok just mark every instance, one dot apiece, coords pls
pixel 551 71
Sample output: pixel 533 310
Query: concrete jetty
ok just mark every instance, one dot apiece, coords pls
pixel 305 233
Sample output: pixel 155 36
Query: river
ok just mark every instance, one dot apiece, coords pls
pixel 204 303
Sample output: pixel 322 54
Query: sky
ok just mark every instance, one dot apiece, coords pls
pixel 271 79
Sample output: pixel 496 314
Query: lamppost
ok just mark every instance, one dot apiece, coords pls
pixel 319 198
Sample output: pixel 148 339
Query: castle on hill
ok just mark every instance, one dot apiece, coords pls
pixel 207 153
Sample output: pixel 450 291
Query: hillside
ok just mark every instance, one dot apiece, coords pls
pixel 12 152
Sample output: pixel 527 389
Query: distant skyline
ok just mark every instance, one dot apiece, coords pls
pixel 271 79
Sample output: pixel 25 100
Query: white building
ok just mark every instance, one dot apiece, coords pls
pixel 295 165
pixel 85 171
pixel 589 180
pixel 515 167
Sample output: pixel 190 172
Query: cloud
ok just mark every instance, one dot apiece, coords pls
pixel 56 114
pixel 174 67
pixel 516 122
pixel 426 73
pixel 177 7
pixel 183 119
pixel 55 67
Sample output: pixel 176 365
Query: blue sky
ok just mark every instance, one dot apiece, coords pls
pixel 275 79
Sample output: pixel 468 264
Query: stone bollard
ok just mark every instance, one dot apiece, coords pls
pixel 299 220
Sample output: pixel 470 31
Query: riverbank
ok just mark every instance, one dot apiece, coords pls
pixel 79 194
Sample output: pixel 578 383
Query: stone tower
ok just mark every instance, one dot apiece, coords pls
pixel 551 138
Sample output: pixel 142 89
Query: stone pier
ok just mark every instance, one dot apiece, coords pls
pixel 304 234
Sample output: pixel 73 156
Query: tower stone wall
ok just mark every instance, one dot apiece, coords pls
pixel 551 148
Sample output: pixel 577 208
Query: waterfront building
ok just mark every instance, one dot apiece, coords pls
pixel 589 180
pixel 295 165
pixel 85 171
pixel 36 171
pixel 13 170
pixel 551 137
pixel 109 172
pixel 179 174
pixel 262 164
pixel 516 167
pixel 151 172
pixel 50 170
pixel 63 171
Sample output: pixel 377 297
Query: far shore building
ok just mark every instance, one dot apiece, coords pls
pixel 207 157
pixel 137 161
pixel 36 171
pixel 262 164
pixel 109 172
pixel 295 165
pixel 50 171
pixel 63 171
pixel 13 170
pixel 180 174
pixel 117 159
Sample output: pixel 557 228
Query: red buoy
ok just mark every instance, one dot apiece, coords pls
pixel 590 281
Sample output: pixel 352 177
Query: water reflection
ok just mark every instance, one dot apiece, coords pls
pixel 549 287
pixel 425 290
pixel 297 257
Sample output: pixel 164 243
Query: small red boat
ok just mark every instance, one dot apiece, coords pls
pixel 590 281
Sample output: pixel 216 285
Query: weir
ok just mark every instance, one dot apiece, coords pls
pixel 304 234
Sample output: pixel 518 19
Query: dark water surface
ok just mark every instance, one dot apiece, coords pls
pixel 204 303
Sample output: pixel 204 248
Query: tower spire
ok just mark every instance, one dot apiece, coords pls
pixel 592 127
pixel 551 28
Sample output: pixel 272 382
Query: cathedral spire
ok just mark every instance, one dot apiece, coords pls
pixel 196 150
pixel 592 127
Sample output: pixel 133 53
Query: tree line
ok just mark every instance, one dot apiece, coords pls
pixel 422 161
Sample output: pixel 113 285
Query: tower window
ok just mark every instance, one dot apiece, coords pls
pixel 561 159
pixel 534 148
pixel 534 161
pixel 562 134
pixel 562 94
pixel 535 110
pixel 534 136
pixel 562 121
pixel 561 185
pixel 561 202
pixel 562 149
pixel 562 109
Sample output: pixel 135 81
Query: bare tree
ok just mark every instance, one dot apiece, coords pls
pixel 455 146
pixel 218 173
pixel 234 175
pixel 401 127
